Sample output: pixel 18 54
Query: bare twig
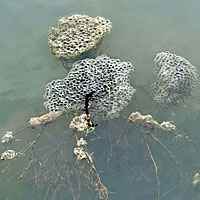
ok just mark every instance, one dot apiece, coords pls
pixel 6 168
pixel 26 169
pixel 21 130
pixel 101 188
pixel 155 167
pixel 111 150
pixel 171 155
pixel 168 192
pixel 30 144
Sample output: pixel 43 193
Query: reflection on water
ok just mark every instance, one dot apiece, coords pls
pixel 140 30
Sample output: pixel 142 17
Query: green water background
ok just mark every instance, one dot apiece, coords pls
pixel 140 30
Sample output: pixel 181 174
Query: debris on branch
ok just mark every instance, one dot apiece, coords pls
pixel 7 137
pixel 45 119
pixel 10 155
pixel 147 121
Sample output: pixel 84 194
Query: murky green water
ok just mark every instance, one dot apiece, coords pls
pixel 140 30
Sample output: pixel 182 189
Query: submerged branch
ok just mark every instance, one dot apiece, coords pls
pixel 155 167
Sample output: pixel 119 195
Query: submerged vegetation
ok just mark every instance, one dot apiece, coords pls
pixel 94 91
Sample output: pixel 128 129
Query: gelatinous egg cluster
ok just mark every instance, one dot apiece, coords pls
pixel 77 34
pixel 107 77
pixel 176 79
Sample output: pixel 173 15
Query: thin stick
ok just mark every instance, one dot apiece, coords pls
pixel 155 167
pixel 111 150
pixel 102 191
pixel 171 190
pixel 171 155
pixel 21 130
pixel 5 168
pixel 70 185
pixel 30 144
pixel 79 185
pixel 26 169
pixel 123 133
pixel 47 192
pixel 57 189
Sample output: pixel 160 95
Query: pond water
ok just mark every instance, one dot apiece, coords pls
pixel 140 30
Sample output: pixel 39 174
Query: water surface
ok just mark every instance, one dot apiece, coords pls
pixel 140 30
